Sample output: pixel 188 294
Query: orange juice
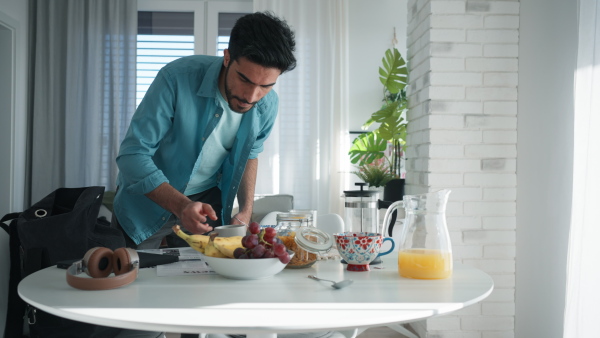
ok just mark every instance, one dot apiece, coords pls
pixel 424 264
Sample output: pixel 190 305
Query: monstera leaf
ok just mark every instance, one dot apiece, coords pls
pixel 367 148
pixel 393 74
pixel 393 125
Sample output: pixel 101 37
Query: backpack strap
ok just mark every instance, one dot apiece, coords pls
pixel 8 217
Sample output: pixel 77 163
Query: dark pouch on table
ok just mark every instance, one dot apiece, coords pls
pixel 147 260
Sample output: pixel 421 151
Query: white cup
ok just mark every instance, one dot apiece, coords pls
pixel 230 230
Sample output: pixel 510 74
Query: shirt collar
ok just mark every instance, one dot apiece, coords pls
pixel 210 82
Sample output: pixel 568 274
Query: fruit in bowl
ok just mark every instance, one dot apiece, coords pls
pixel 211 245
pixel 258 255
pixel 261 243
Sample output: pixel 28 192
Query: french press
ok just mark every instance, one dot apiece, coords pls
pixel 361 210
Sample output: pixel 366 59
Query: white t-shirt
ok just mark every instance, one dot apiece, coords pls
pixel 215 149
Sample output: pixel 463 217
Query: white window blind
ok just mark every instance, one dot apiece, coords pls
pixel 162 38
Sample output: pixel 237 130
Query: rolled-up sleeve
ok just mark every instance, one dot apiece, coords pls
pixel 149 125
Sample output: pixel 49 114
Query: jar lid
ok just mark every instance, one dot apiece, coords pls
pixel 313 239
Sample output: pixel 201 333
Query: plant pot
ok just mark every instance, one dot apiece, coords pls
pixel 394 190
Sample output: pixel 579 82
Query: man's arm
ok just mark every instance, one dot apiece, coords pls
pixel 191 214
pixel 245 193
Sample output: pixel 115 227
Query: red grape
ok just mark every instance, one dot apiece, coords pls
pixel 268 254
pixel 254 228
pixel 279 249
pixel 250 241
pixel 258 251
pixel 238 252
pixel 285 258
pixel 270 232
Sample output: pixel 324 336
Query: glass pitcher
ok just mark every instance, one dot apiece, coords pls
pixel 424 248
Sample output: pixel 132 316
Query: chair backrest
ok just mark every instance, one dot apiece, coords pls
pixel 270 218
pixel 267 204
pixel 4 276
pixel 330 223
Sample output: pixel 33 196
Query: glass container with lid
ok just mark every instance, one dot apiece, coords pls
pixel 361 210
pixel 297 233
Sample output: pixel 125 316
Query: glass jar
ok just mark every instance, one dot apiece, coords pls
pixel 297 233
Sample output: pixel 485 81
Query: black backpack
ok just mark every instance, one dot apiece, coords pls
pixel 62 226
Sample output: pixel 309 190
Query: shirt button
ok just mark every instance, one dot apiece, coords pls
pixel 204 138
pixel 216 115
pixel 163 218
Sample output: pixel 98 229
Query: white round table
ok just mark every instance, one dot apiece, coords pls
pixel 285 303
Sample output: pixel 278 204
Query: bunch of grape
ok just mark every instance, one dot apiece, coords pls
pixel 262 244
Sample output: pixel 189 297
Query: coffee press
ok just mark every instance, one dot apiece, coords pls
pixel 362 212
pixel 361 207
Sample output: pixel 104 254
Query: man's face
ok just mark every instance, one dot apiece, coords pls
pixel 246 83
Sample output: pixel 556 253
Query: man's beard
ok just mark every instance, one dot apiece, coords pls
pixel 229 97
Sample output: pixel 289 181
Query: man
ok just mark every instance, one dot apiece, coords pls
pixel 194 140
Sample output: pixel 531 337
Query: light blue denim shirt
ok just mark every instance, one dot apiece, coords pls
pixel 166 136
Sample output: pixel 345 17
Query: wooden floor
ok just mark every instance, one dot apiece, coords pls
pixel 374 332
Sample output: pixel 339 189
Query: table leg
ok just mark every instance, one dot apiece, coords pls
pixel 401 329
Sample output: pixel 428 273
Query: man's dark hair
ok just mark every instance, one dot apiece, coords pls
pixel 264 39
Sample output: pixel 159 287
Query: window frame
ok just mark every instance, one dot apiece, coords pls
pixel 212 18
pixel 206 18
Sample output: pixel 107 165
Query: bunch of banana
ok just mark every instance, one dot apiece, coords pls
pixel 211 245
pixel 211 250
pixel 197 242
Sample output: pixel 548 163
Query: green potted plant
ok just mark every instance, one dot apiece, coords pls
pixel 372 145
pixel 375 174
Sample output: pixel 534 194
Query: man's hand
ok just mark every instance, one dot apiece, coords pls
pixel 240 218
pixel 194 215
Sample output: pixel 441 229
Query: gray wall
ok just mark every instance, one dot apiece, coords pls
pixel 547 58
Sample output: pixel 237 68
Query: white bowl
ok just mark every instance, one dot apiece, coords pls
pixel 254 268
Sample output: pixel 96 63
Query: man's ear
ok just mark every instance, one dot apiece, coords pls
pixel 226 58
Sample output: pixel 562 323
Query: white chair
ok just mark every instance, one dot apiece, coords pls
pixel 270 218
pixel 266 204
pixel 330 223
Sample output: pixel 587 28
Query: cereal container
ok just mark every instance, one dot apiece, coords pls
pixel 295 230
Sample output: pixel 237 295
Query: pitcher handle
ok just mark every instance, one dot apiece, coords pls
pixel 388 212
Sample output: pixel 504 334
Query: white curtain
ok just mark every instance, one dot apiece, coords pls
pixel 583 274
pixel 83 90
pixel 305 155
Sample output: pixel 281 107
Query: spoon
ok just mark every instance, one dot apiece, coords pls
pixel 335 285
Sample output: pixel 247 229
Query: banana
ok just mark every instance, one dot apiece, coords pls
pixel 197 242
pixel 227 245
pixel 211 250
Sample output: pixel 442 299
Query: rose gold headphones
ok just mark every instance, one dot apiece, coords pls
pixel 98 263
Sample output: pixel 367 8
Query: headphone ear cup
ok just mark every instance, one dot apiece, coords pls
pixel 121 261
pixel 98 262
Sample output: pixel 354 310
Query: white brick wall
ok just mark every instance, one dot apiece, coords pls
pixel 463 62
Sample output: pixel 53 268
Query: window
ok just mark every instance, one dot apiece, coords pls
pixel 226 23
pixel 162 37
pixel 168 30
